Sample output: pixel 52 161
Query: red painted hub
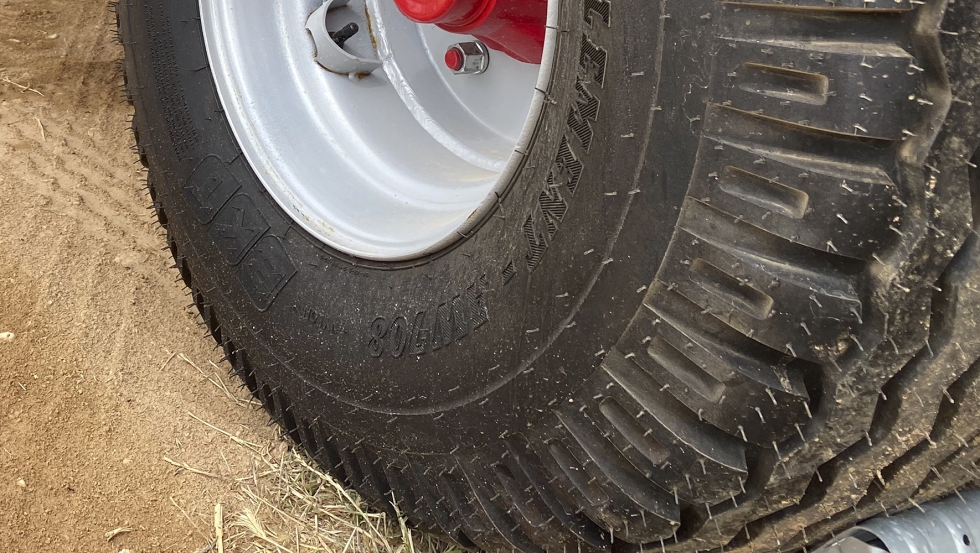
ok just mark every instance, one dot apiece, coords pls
pixel 515 27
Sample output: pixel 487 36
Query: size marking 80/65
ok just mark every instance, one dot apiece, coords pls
pixel 432 329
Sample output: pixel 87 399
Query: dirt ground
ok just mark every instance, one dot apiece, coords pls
pixel 102 367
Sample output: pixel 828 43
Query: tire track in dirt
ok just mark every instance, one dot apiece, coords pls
pixel 91 397
pixel 96 204
pixel 105 195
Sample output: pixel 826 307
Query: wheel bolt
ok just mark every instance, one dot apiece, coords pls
pixel 468 58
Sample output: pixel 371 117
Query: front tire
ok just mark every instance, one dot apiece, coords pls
pixel 727 302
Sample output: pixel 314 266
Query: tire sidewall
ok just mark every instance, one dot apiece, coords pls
pixel 525 316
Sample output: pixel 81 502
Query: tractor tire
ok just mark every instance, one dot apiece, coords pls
pixel 730 303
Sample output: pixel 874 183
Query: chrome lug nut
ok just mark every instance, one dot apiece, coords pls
pixel 468 58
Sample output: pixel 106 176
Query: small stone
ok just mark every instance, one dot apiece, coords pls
pixel 53 36
pixel 127 461
pixel 21 483
pixel 128 259
pixel 6 336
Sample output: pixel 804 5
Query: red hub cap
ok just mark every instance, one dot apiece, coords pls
pixel 515 27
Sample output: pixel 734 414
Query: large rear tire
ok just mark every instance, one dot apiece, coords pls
pixel 728 302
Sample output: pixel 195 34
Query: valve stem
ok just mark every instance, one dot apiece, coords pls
pixel 342 36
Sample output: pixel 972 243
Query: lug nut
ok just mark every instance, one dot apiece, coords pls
pixel 468 58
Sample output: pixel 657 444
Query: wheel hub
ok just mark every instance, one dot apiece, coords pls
pixel 389 155
pixel 515 27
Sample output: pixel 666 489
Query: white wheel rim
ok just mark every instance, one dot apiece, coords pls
pixel 394 166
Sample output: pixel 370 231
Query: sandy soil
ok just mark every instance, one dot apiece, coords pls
pixel 98 381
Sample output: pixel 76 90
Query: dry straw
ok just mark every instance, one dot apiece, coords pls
pixel 285 504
